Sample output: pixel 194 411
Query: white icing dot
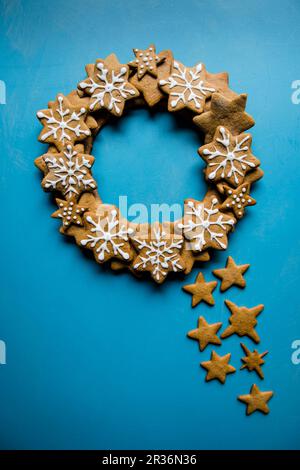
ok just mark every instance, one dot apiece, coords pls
pixel 243 200
pixel 239 206
pixel 244 190
pixel 74 217
pixel 69 218
pixel 249 200
pixel 141 54
pixel 71 203
pixel 233 203
pixel 82 110
pixel 237 199
pixel 215 200
pixel 123 70
pixel 61 205
pixel 234 196
pixel 227 205
pixel 240 213
pixel 229 192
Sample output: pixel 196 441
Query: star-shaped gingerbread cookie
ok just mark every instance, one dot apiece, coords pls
pixel 253 360
pixel 108 86
pixel 218 367
pixel 69 212
pixel 201 290
pixel 205 333
pixel 146 61
pixel 227 113
pixel 256 400
pixel 242 321
pixel 231 275
pixel 237 199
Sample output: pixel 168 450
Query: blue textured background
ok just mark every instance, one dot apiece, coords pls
pixel 99 360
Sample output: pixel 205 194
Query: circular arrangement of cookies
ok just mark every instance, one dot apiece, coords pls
pixel 71 123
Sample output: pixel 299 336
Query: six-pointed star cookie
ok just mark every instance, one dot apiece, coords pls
pixel 146 61
pixel 109 86
pixel 187 87
pixel 69 212
pixel 205 333
pixel 253 360
pixel 218 367
pixel 237 199
pixel 228 113
pixel 232 275
pixel 228 157
pixel 63 123
pixel 242 321
pixel 256 400
pixel 201 290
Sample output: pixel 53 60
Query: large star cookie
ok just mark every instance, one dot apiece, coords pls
pixel 201 290
pixel 205 333
pixel 231 275
pixel 242 321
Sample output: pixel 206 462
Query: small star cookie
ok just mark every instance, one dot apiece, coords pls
pixel 205 333
pixel 253 360
pixel 242 321
pixel 109 87
pixel 256 400
pixel 228 113
pixel 228 157
pixel 201 290
pixel 218 367
pixel 232 275
pixel 146 61
pixel 187 87
pixel 237 199
pixel 69 212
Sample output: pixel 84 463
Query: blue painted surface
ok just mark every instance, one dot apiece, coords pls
pixel 98 360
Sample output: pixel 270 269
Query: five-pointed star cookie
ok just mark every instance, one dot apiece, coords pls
pixel 205 333
pixel 63 123
pixel 237 199
pixel 108 86
pixel 201 290
pixel 187 87
pixel 146 61
pixel 256 400
pixel 69 212
pixel 253 360
pixel 232 275
pixel 242 321
pixel 227 113
pixel 218 367
pixel 228 157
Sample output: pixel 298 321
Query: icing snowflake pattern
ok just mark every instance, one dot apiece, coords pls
pixel 109 88
pixel 69 172
pixel 187 88
pixel 107 237
pixel 205 226
pixel 63 123
pixel 228 157
pixel 159 255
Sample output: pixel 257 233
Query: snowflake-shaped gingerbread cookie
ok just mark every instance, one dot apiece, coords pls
pixel 204 225
pixel 69 172
pixel 159 250
pixel 187 88
pixel 63 123
pixel 108 86
pixel 228 157
pixel 107 235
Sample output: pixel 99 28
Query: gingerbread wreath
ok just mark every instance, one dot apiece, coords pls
pixel 71 123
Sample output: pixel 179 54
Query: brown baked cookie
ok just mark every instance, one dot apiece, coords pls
pixel 227 113
pixel 237 199
pixel 231 275
pixel 190 258
pixel 242 321
pixel 228 157
pixel 218 367
pixel 70 213
pixel 220 81
pixel 253 360
pixel 108 86
pixel 187 87
pixel 201 290
pixel 206 333
pixel 256 400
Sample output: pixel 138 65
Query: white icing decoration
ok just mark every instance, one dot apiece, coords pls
pixel 115 88
pixel 107 232
pixel 200 224
pixel 66 122
pixel 71 172
pixel 160 253
pixel 191 85
pixel 233 162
